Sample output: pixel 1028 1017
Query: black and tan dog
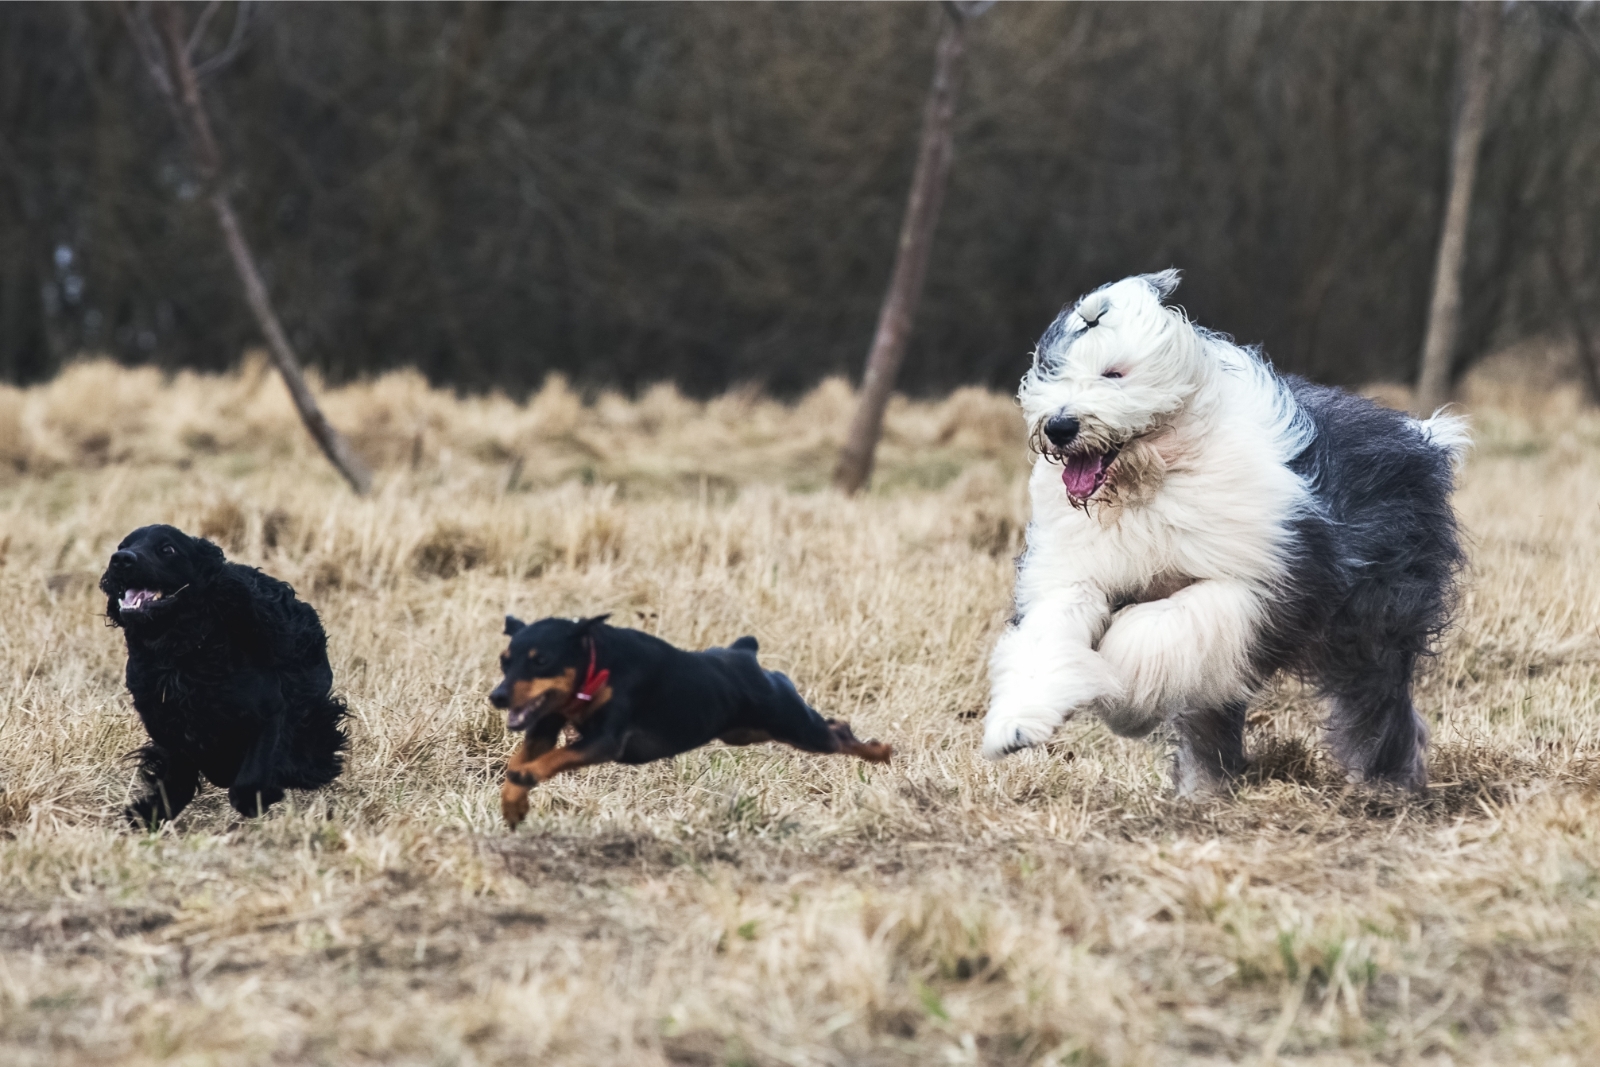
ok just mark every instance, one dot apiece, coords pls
pixel 629 697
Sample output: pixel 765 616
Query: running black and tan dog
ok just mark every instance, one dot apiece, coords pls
pixel 629 697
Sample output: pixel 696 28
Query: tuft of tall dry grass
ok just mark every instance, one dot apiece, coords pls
pixel 756 906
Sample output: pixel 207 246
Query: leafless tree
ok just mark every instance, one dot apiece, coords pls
pixel 167 51
pixel 911 258
pixel 1479 32
pixel 1566 290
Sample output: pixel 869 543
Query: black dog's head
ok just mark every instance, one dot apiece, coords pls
pixel 151 570
pixel 545 668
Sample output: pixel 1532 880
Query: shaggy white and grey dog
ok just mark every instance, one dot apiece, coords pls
pixel 1199 524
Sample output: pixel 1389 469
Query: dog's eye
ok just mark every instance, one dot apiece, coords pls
pixel 168 550
pixel 1112 374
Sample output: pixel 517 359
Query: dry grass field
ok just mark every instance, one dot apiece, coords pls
pixel 757 905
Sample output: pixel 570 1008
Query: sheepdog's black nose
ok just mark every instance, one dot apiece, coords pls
pixel 123 558
pixel 1062 430
pixel 500 697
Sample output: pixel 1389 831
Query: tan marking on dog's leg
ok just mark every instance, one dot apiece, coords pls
pixel 533 746
pixel 555 762
pixel 513 804
pixel 850 745
pixel 514 797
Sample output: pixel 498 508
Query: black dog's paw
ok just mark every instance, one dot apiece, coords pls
pixel 522 778
pixel 146 814
pixel 253 800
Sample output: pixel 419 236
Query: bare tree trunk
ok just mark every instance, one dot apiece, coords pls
pixel 911 258
pixel 1480 27
pixel 182 87
pixel 1588 357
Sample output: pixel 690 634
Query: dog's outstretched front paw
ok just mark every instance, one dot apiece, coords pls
pixel 513 804
pixel 146 814
pixel 1000 749
pixel 1003 735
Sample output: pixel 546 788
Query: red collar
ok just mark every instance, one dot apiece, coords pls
pixel 593 681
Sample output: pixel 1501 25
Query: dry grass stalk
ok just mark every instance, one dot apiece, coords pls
pixel 755 905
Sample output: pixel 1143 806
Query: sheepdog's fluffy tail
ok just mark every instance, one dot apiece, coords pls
pixel 1448 432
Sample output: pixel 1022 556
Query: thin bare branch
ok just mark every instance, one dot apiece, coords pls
pixel 1588 357
pixel 149 47
pixel 235 45
pixel 1565 17
pixel 967 10
pixel 168 58
pixel 899 308
pixel 1479 34
pixel 200 25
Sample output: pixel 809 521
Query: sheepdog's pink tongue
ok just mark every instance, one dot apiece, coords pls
pixel 1081 474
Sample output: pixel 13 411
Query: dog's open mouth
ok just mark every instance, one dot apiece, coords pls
pixel 1083 473
pixel 525 715
pixel 139 601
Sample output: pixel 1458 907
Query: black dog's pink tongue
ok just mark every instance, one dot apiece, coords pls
pixel 1081 474
pixel 138 599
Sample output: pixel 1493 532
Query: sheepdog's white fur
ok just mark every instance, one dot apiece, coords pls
pixel 1164 523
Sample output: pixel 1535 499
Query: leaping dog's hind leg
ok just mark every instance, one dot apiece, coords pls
pixel 850 745
pixel 1374 728
pixel 792 721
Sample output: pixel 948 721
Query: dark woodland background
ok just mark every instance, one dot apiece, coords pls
pixel 711 193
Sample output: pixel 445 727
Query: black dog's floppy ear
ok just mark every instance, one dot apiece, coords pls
pixel 210 552
pixel 585 625
pixel 513 624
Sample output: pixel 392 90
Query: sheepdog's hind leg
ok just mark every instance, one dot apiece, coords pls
pixel 1210 749
pixel 1374 729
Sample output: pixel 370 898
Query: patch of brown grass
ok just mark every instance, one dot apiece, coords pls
pixel 756 905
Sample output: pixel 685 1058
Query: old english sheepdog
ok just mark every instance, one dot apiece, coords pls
pixel 1199 524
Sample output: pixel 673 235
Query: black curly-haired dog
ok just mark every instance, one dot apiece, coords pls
pixel 228 671
pixel 632 698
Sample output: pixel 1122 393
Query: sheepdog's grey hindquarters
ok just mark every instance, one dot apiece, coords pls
pixel 1374 574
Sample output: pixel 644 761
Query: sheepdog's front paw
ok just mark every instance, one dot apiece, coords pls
pixel 1005 733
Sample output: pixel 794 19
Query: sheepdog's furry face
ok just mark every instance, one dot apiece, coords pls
pixel 1108 378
